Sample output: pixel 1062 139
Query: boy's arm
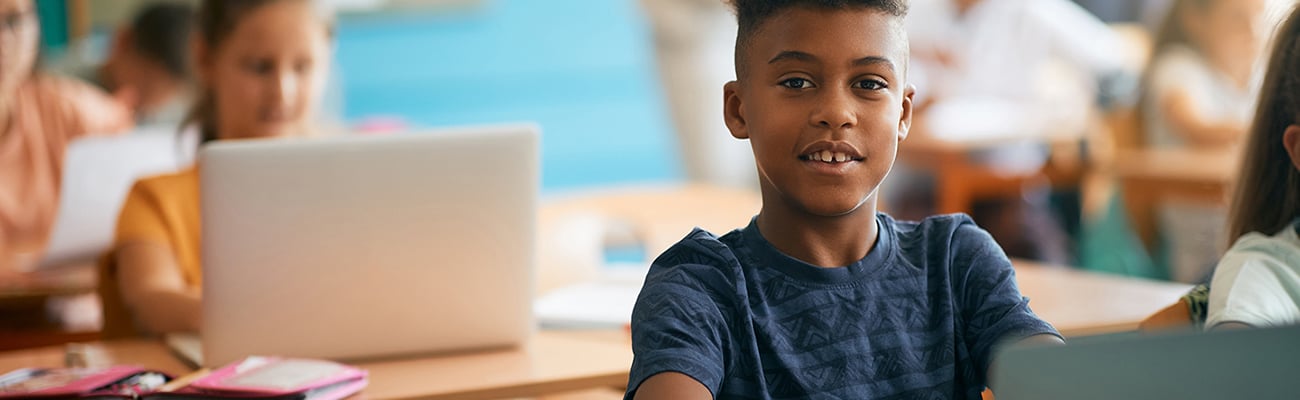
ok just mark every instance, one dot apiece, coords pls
pixel 993 309
pixel 678 335
pixel 672 385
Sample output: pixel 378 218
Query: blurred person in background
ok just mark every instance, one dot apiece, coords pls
pixel 148 63
pixel 1199 94
pixel 39 116
pixel 1014 72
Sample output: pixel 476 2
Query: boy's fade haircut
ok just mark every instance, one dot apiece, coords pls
pixel 750 14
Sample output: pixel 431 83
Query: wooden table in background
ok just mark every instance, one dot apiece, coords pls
pixel 1082 303
pixel 1149 177
pixel 23 298
pixel 960 180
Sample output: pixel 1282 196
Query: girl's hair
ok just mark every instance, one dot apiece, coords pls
pixel 216 20
pixel 1171 33
pixel 1267 195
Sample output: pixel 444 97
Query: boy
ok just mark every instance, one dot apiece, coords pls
pixel 821 296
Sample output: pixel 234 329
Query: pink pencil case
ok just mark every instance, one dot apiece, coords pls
pixel 275 378
pixel 117 382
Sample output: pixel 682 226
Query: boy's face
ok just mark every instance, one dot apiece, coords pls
pixel 824 101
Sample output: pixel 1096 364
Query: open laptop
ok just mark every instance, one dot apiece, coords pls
pixel 97 174
pixel 365 247
pixel 1247 364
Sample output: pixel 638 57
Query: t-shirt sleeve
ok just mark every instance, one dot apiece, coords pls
pixel 676 327
pixel 1255 287
pixel 141 218
pixel 989 300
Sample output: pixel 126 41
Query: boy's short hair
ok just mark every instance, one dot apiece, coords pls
pixel 161 32
pixel 752 13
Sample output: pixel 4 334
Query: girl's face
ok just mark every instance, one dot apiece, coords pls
pixel 18 36
pixel 267 75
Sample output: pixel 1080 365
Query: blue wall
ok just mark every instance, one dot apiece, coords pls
pixel 583 69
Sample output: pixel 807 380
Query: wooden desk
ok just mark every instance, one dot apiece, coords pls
pixel 1081 303
pixel 1151 176
pixel 42 284
pixel 959 180
pixel 553 362
pixel 24 321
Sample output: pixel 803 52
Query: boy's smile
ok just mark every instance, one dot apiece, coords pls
pixel 823 99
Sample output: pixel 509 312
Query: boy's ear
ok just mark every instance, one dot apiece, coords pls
pixel 733 112
pixel 1291 140
pixel 905 120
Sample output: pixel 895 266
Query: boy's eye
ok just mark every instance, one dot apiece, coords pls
pixel 796 83
pixel 870 84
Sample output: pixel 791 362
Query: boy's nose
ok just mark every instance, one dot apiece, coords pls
pixel 835 111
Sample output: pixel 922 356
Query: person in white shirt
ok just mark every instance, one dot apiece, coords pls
pixel 1008 67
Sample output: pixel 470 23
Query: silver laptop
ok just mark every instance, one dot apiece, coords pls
pixel 363 247
pixel 1248 364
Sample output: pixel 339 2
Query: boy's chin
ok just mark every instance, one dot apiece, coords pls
pixel 834 206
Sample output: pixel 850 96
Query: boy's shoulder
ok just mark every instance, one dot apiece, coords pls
pixel 700 250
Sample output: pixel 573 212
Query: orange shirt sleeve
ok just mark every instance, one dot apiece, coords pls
pixel 142 218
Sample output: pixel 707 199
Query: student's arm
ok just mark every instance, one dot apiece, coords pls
pixel 153 288
pixel 672 385
pixel 1180 109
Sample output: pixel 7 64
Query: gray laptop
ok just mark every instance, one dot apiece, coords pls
pixel 1247 364
pixel 362 247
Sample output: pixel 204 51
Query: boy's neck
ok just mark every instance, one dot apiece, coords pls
pixel 827 242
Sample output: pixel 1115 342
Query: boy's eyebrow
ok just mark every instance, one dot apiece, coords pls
pixel 802 56
pixel 792 55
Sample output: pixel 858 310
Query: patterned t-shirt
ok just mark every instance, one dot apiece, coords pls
pixel 918 317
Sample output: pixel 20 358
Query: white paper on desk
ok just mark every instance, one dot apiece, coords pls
pixel 603 304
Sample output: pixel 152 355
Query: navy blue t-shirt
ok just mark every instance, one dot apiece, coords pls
pixel 918 317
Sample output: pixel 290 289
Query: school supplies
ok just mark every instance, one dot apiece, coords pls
pixel 251 378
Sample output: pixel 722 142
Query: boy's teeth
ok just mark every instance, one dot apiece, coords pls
pixel 829 157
